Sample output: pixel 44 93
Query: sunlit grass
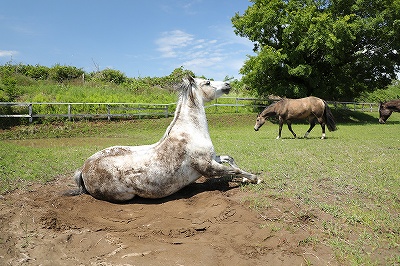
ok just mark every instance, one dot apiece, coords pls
pixel 353 175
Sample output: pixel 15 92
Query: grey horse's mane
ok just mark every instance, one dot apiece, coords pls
pixel 185 89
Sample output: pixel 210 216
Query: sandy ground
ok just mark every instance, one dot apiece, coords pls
pixel 207 223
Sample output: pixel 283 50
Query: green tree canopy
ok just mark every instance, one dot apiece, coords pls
pixel 62 73
pixel 112 75
pixel 334 49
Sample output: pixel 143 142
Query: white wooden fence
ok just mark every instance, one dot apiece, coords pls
pixel 139 110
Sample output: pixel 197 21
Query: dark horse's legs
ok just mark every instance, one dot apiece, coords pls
pixel 321 121
pixel 312 122
pixel 289 125
pixel 323 130
pixel 280 128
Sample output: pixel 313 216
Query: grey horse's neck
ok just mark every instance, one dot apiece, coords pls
pixel 188 114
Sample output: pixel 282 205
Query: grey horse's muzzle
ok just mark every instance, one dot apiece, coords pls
pixel 227 88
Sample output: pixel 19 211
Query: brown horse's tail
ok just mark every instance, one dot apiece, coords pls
pixel 329 119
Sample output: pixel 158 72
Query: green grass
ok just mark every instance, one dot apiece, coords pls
pixel 95 93
pixel 352 176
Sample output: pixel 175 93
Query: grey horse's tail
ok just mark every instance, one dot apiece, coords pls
pixel 329 119
pixel 81 189
pixel 79 182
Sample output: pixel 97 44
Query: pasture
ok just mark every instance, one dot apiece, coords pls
pixel 341 192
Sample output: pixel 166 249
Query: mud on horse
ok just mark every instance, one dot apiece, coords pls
pixel 181 156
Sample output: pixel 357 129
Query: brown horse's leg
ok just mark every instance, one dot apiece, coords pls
pixel 289 125
pixel 280 128
pixel 312 122
pixel 322 123
pixel 323 130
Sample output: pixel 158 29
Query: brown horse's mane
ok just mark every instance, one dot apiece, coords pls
pixel 272 105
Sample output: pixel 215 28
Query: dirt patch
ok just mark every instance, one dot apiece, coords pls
pixel 206 223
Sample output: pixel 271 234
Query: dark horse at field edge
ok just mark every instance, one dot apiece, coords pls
pixel 311 108
pixel 387 108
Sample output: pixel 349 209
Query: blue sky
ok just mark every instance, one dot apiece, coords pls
pixel 141 38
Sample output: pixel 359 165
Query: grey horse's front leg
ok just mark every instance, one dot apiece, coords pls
pixel 246 177
pixel 226 159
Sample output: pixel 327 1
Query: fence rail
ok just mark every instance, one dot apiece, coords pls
pixel 32 110
pixel 93 110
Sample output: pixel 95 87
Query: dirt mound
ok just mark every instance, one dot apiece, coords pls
pixel 206 223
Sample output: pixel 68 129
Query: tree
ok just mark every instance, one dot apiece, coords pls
pixel 334 49
pixel 113 76
pixel 61 73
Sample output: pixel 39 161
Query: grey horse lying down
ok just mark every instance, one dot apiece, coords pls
pixel 181 156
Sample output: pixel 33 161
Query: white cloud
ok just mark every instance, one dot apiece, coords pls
pixel 4 53
pixel 184 46
pixel 213 58
pixel 171 41
pixel 202 62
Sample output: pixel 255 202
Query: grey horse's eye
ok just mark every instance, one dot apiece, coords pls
pixel 208 82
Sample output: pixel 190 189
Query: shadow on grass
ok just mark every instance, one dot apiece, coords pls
pixel 354 117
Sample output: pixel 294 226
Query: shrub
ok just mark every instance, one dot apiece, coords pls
pixel 37 72
pixel 381 95
pixel 61 73
pixel 113 76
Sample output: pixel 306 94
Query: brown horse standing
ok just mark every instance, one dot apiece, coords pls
pixel 311 108
pixel 387 108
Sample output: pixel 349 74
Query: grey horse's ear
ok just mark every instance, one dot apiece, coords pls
pixel 188 78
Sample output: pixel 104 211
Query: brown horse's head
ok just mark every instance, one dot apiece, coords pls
pixel 384 113
pixel 259 122
pixel 262 117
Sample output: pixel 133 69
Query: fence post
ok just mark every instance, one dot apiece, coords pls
pixel 166 111
pixel 236 103
pixel 30 112
pixel 108 112
pixel 69 112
